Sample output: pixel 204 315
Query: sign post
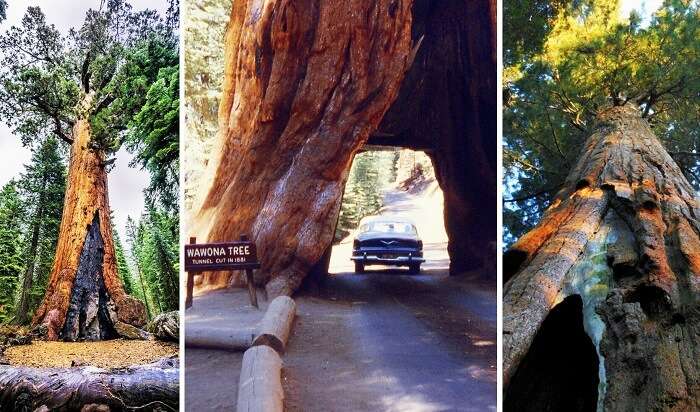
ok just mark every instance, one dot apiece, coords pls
pixel 210 257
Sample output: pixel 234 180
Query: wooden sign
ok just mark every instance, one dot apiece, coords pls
pixel 210 257
pixel 220 256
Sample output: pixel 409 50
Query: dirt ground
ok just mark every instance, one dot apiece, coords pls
pixel 211 376
pixel 115 353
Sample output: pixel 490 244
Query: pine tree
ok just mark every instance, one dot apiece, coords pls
pixel 11 216
pixel 79 88
pixel 42 186
pixel 133 235
pixel 122 265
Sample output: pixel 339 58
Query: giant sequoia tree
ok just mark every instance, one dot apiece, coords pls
pixel 602 296
pixel 307 84
pixel 76 88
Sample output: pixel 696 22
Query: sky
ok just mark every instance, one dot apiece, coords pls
pixel 126 184
pixel 644 7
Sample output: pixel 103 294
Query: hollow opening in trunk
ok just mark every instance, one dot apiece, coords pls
pixel 90 311
pixel 560 370
pixel 385 183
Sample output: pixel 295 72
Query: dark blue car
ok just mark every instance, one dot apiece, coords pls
pixel 387 240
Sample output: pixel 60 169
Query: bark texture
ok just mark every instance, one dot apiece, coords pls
pixel 84 296
pixel 305 84
pixel 145 387
pixel 624 235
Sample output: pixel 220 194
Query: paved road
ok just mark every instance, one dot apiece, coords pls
pixel 387 341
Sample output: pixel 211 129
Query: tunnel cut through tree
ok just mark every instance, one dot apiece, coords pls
pixel 306 85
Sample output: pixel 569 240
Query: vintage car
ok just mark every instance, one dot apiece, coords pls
pixel 387 240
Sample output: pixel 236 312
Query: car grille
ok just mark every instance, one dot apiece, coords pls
pixel 389 243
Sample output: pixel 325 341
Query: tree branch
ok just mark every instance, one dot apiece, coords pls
pixel 531 196
pixel 85 73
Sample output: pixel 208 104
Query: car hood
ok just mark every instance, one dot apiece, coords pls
pixel 384 235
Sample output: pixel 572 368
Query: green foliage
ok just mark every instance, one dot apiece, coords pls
pixel 371 172
pixel 42 188
pixel 591 57
pixel 48 81
pixel 11 214
pixel 154 131
pixel 119 71
pixel 123 270
pixel 153 244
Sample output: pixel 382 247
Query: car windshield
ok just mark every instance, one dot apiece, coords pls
pixel 388 227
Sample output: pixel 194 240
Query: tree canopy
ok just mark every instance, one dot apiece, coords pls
pixel 578 58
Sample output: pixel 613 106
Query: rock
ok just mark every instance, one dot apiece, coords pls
pixel 166 326
pixel 132 311
pixel 20 340
pixel 131 332
pixel 39 332
pixel 77 362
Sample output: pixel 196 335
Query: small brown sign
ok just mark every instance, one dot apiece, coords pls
pixel 220 256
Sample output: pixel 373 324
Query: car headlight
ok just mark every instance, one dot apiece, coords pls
pixel 355 244
pixel 420 244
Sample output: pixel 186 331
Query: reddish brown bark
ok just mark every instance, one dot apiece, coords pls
pixel 626 183
pixel 86 203
pixel 305 84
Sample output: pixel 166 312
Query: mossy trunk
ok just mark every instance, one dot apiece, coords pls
pixel 305 84
pixel 624 236
pixel 84 296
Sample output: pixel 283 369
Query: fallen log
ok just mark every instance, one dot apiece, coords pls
pixel 153 386
pixel 260 384
pixel 276 324
pixel 219 338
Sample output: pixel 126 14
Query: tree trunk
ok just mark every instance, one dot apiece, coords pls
pixel 623 235
pixel 84 296
pixel 144 387
pixel 305 83
pixel 25 294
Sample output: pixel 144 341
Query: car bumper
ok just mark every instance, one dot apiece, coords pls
pixel 369 259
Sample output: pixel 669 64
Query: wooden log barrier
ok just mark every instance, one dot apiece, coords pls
pixel 276 325
pixel 219 338
pixel 260 384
